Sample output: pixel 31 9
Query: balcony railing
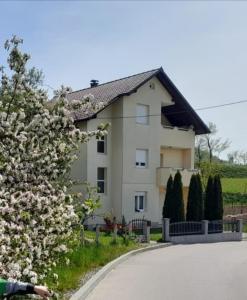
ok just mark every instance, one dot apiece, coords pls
pixel 177 128
pixel 163 174
pixel 177 137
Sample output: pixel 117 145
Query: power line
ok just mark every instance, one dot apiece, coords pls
pixel 221 105
pixel 178 112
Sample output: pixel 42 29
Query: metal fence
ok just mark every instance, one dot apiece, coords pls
pixel 138 225
pixel 223 226
pixel 215 226
pixel 185 228
pixel 188 228
pixel 231 226
pixel 202 232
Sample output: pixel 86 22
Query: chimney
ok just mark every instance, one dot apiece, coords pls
pixel 94 83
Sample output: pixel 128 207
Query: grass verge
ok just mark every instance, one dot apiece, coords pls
pixel 84 259
pixel 156 234
pixel 234 185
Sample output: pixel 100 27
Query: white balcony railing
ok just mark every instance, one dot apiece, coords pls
pixel 177 128
pixel 163 174
pixel 177 137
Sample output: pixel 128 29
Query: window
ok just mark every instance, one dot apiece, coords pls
pixel 141 158
pixel 140 201
pixel 101 180
pixel 142 112
pixel 101 145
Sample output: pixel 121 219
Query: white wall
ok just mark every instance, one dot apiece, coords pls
pixel 138 136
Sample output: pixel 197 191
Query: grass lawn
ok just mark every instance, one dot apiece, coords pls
pixel 234 185
pixel 156 234
pixel 86 259
pixel 245 227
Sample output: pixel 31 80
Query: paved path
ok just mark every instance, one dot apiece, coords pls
pixel 183 272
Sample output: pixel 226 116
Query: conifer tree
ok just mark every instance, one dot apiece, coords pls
pixel 192 204
pixel 218 209
pixel 200 213
pixel 168 203
pixel 209 200
pixel 178 203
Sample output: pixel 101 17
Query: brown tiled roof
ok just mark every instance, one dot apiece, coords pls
pixel 110 91
pixel 179 114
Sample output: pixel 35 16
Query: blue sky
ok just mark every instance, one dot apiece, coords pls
pixel 202 46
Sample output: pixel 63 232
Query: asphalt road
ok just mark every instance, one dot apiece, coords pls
pixel 187 272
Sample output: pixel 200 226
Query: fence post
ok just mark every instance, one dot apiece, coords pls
pixel 115 233
pixel 240 225
pixel 82 235
pixel 205 227
pixel 97 234
pixel 165 230
pixel 147 231
pixel 130 228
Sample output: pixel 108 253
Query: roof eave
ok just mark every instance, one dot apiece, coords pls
pixel 163 77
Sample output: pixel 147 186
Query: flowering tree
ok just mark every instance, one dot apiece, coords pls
pixel 38 142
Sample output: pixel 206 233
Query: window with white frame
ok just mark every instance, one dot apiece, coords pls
pixel 101 145
pixel 141 158
pixel 101 180
pixel 142 112
pixel 140 201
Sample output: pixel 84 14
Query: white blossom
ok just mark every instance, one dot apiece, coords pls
pixel 37 145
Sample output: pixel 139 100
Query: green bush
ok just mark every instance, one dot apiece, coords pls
pixel 233 171
pixel 235 198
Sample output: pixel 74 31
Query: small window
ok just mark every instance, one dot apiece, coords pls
pixel 140 201
pixel 142 112
pixel 141 158
pixel 101 180
pixel 101 145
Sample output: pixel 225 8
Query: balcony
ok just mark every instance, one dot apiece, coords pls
pixel 177 137
pixel 163 174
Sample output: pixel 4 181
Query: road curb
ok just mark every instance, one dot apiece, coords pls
pixel 84 291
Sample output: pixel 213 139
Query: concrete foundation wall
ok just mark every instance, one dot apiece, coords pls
pixel 209 238
pixel 204 236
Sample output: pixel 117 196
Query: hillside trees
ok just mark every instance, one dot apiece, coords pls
pixel 207 146
pixel 38 141
pixel 237 157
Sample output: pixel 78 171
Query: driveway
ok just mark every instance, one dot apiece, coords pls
pixel 187 272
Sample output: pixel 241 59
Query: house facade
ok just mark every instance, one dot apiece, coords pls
pixel 152 135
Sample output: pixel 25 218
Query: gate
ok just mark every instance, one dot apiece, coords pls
pixel 140 229
pixel 138 225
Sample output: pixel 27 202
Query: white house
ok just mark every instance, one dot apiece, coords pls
pixel 152 134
